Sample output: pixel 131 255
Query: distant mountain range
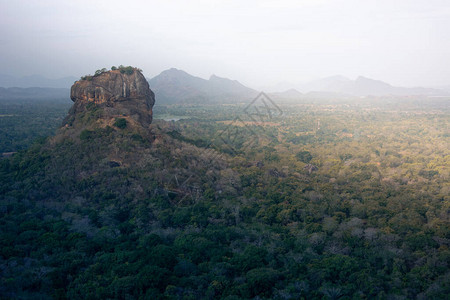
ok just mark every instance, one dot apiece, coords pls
pixel 36 81
pixel 445 88
pixel 35 93
pixel 177 86
pixel 288 94
pixel 363 86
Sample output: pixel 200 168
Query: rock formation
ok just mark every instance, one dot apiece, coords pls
pixel 118 93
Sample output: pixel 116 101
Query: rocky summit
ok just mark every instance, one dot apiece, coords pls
pixel 122 92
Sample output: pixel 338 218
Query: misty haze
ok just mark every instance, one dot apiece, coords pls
pixel 225 149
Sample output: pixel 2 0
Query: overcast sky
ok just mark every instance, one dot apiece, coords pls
pixel 403 42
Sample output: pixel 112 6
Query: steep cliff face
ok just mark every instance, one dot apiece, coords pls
pixel 118 94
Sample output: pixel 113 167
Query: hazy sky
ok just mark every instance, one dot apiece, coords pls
pixel 403 42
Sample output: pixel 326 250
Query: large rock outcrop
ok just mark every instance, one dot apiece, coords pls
pixel 117 93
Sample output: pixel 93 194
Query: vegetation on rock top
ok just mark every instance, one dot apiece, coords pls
pixel 129 70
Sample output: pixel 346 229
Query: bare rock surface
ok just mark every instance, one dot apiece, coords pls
pixel 117 93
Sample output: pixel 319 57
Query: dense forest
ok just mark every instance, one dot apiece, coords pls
pixel 320 201
pixel 22 121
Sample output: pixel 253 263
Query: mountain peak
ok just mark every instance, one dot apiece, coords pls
pixel 173 71
pixel 176 86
